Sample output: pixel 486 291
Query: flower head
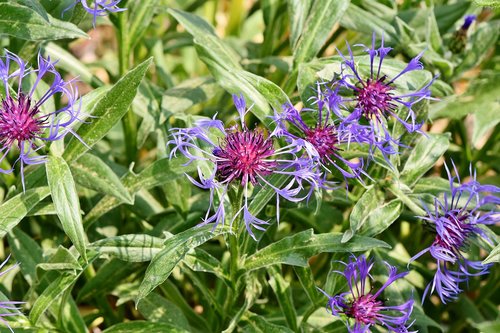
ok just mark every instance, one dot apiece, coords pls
pixel 9 308
pixel 321 139
pixel 27 122
pixel 373 99
pixel 98 7
pixel 455 221
pixel 363 305
pixel 241 158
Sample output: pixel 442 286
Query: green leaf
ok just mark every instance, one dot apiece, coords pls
pixel 487 3
pixel 158 173
pixel 223 63
pixel 368 202
pixel 107 278
pixel 424 156
pixel 283 292
pixel 381 218
pixel 66 202
pixel 493 257
pixel 201 261
pixel 175 249
pixel 91 172
pixel 141 14
pixel 320 22
pixel 107 112
pixel 488 326
pixel 26 23
pixel 139 326
pixel 297 249
pixel 257 324
pixel 16 208
pixel 297 12
pixel 61 260
pixel 365 22
pixel 27 251
pixel 483 39
pixel 55 290
pixel 132 248
pixel 160 310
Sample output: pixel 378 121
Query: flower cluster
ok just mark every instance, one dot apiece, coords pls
pixel 455 221
pixel 242 158
pixel 98 7
pixel 364 306
pixel 27 121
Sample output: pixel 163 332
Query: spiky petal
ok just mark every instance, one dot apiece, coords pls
pixel 454 222
pixel 363 306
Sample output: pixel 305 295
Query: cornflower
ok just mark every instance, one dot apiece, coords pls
pixel 10 308
pixel 362 305
pixel 98 7
pixel 455 222
pixel 374 99
pixel 241 158
pixel 321 141
pixel 27 119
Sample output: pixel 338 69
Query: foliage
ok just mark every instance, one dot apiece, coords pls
pixel 106 229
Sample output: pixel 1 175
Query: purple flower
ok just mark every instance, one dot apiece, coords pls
pixel 26 120
pixel 468 22
pixel 98 7
pixel 455 221
pixel 241 158
pixel 320 140
pixel 9 308
pixel 363 305
pixel 373 99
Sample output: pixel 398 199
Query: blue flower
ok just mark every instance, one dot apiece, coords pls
pixel 373 100
pixel 455 221
pixel 363 306
pixel 27 124
pixel 241 158
pixel 11 308
pixel 98 7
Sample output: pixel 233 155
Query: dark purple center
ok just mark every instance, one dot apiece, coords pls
pixel 243 156
pixel 374 98
pixel 364 309
pixel 18 120
pixel 324 139
pixel 455 231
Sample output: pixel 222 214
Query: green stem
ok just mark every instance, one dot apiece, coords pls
pixel 129 121
pixel 102 303
pixel 406 200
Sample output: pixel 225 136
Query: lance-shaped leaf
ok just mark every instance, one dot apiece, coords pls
pixel 132 248
pixel 26 23
pixel 297 249
pixel 107 112
pixel 223 63
pixel 66 202
pixel 320 22
pixel 175 249
pixel 424 156
pixel 91 172
pixel 16 208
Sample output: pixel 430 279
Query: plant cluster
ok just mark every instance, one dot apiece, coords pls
pixel 180 182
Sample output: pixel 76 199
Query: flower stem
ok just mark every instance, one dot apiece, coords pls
pixel 129 121
pixel 406 200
